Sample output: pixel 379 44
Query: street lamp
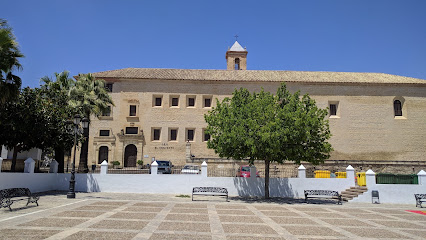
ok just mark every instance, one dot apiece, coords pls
pixel 76 123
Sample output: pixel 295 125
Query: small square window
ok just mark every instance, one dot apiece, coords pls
pixel 191 102
pixel 333 109
pixel 156 134
pixel 131 130
pixel 175 102
pixel 104 133
pixel 107 112
pixel 207 102
pixel 132 110
pixel 158 101
pixel 108 87
pixel 190 135
pixel 173 134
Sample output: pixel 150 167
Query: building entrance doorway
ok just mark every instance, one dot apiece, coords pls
pixel 130 154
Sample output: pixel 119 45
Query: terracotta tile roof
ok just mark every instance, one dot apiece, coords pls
pixel 257 75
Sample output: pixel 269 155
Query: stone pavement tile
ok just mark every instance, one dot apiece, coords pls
pixel 129 215
pixel 53 222
pixel 235 212
pixel 271 207
pixel 252 238
pixel 345 222
pixel 326 215
pixel 187 217
pixel 374 232
pixel 311 209
pixel 96 208
pixel 149 204
pixel 399 224
pixel 248 229
pixel 119 224
pixel 142 209
pixel 230 206
pixel 89 235
pixel 388 211
pixel 108 203
pixel 280 213
pixel 418 233
pixel 81 214
pixel 186 226
pixel 26 233
pixel 240 219
pixel 163 236
pixel 412 217
pixel 312 231
pixel 189 210
pixel 191 205
pixel 370 216
pixel 293 220
pixel 351 210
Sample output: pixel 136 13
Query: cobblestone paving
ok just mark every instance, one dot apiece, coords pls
pixel 145 216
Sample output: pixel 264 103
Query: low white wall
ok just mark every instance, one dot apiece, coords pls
pixel 393 193
pixel 36 182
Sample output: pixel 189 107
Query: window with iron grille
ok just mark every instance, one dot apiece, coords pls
pixel 207 102
pixel 132 110
pixel 131 130
pixel 175 102
pixel 190 135
pixel 107 112
pixel 206 137
pixel 173 134
pixel 333 109
pixel 191 102
pixel 156 134
pixel 104 133
pixel 108 87
pixel 158 101
pixel 397 106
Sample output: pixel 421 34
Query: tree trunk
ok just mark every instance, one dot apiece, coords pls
pixel 16 150
pixel 267 179
pixel 59 157
pixel 82 166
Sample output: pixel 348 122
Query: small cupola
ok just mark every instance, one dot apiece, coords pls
pixel 236 57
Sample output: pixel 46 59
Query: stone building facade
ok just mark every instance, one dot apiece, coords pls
pixel 374 118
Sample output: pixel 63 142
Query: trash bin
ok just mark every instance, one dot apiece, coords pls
pixel 361 180
pixel 340 174
pixel 322 174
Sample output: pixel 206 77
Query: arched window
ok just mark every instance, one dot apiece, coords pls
pixel 397 107
pixel 103 154
pixel 237 64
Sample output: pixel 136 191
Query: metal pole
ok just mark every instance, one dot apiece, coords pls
pixel 71 193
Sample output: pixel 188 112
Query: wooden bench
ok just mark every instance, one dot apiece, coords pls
pixel 210 191
pixel 323 193
pixel 420 198
pixel 11 195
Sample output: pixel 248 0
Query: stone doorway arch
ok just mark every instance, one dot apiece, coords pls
pixel 130 154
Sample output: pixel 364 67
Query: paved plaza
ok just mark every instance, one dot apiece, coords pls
pixel 149 216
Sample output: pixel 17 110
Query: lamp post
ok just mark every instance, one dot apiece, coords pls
pixel 76 123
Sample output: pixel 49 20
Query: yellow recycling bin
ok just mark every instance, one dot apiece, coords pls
pixel 322 174
pixel 340 174
pixel 361 180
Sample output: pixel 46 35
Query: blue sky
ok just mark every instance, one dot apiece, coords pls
pixel 342 35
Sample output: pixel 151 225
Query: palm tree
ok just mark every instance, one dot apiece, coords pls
pixel 90 97
pixel 9 62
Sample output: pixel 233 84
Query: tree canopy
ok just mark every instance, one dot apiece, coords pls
pixel 273 128
pixel 9 62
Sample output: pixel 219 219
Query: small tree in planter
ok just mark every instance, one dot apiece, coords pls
pixel 116 164
pixel 140 163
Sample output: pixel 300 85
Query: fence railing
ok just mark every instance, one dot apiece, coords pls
pixel 390 178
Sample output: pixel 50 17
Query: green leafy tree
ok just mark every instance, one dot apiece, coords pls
pixel 9 62
pixel 23 122
pixel 273 128
pixel 90 97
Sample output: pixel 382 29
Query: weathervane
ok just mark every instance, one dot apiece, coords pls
pixel 236 37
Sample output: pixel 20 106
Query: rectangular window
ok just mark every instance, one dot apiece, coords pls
pixel 131 130
pixel 173 134
pixel 104 133
pixel 108 87
pixel 206 137
pixel 132 110
pixel 190 135
pixel 158 101
pixel 333 109
pixel 175 102
pixel 207 102
pixel 107 112
pixel 156 134
pixel 191 102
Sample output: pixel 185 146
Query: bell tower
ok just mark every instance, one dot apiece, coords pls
pixel 236 57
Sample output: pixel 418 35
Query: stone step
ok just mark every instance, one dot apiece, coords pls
pixel 352 193
pixel 359 187
pixel 348 193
